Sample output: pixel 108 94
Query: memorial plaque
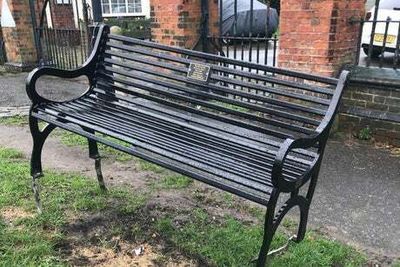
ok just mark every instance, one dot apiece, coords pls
pixel 198 72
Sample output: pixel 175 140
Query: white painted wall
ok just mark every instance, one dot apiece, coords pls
pixel 7 19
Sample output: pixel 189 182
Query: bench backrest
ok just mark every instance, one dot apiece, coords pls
pixel 269 100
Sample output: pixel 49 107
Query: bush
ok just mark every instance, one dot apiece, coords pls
pixel 132 27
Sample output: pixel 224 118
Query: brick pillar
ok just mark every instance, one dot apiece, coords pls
pixel 18 36
pixel 177 22
pixel 316 36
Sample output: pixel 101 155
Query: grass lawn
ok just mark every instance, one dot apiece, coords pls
pixel 29 239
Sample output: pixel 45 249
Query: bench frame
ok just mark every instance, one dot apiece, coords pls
pixel 273 216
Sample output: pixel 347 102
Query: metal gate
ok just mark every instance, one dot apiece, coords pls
pixel 248 30
pixel 63 33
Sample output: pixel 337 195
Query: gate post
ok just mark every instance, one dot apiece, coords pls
pixel 178 22
pixel 18 35
pixel 317 36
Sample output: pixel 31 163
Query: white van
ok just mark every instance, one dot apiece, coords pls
pixel 387 9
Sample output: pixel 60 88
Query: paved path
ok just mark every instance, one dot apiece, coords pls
pixel 13 97
pixel 357 198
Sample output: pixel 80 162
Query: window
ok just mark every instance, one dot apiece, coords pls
pixel 63 2
pixel 121 7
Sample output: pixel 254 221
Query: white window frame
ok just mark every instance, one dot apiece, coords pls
pixel 126 14
pixel 63 2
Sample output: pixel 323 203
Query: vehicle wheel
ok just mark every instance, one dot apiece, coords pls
pixel 375 52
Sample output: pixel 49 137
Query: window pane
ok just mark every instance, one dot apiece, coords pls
pixel 134 6
pixel 105 4
pixel 118 6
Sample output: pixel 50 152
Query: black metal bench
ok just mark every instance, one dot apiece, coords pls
pixel 256 131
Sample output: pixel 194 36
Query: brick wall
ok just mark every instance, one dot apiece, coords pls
pixel 19 41
pixel 213 18
pixel 374 106
pixel 316 36
pixel 62 15
pixel 177 22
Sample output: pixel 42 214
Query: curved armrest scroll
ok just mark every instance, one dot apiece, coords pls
pixel 87 69
pixel 277 168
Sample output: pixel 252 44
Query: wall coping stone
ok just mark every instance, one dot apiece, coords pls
pixel 386 79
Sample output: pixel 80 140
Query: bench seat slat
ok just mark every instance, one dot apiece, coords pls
pixel 110 131
pixel 184 133
pixel 232 134
pixel 203 176
pixel 178 147
pixel 92 118
pixel 193 100
pixel 248 179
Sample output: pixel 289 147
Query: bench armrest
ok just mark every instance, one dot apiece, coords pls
pixel 87 69
pixel 277 168
pixel 318 138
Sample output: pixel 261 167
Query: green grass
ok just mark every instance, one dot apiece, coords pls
pixel 148 166
pixel 222 241
pixel 175 181
pixel 231 106
pixel 14 120
pixel 71 139
pixel 396 263
pixel 33 241
pixel 233 243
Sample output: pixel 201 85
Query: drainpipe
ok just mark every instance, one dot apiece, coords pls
pixel 204 25
pixel 97 18
pixel 35 31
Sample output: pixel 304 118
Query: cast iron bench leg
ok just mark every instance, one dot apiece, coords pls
pixel 36 192
pixel 39 137
pixel 273 220
pixel 94 154
pixel 100 174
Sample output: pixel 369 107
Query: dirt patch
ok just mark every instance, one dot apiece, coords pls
pixel 73 159
pixel 124 254
pixel 12 214
pixel 112 238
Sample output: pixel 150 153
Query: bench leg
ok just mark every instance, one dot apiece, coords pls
pixel 36 193
pixel 39 137
pixel 94 154
pixel 269 232
pixel 100 178
pixel 273 220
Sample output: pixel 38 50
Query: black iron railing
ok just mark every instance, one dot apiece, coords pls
pixel 261 50
pixel 63 48
pixel 379 44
